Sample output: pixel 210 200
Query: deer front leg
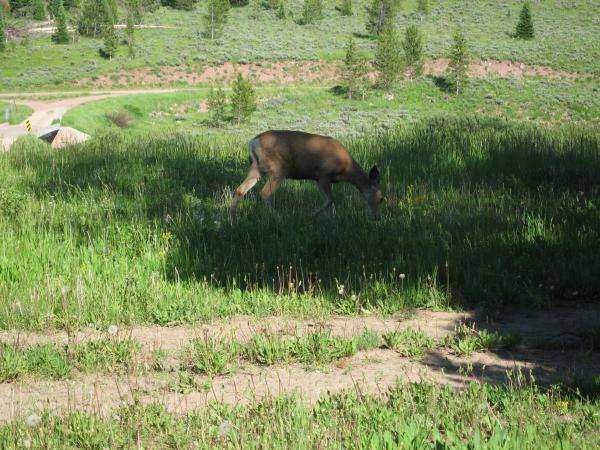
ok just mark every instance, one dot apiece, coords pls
pixel 325 189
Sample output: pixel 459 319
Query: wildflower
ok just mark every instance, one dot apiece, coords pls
pixel 354 297
pixel 402 276
pixel 33 420
pixel 27 443
pixel 341 289
pixel 113 330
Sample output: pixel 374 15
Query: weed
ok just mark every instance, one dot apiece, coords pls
pixel 409 343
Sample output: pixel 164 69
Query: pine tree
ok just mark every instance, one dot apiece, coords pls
pixel 355 72
pixel 312 10
pixel 413 50
pixel 215 17
pixel 243 102
pixel 525 26
pixel 346 8
pixel 111 42
pixel 130 30
pixel 387 56
pixel 2 31
pixel 378 12
pixel 459 62
pixel 423 7
pixel 217 104
pixel 39 9
pixel 61 35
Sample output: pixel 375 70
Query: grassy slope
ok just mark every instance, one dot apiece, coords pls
pixel 17 114
pixel 565 33
pixel 129 229
pixel 320 110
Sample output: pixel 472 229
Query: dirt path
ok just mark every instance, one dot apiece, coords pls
pixel 551 349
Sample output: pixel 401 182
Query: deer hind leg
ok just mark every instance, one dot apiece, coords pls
pixel 325 188
pixel 251 179
pixel 270 187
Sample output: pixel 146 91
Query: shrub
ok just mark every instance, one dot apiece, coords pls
pixel 312 10
pixel 120 118
pixel 243 102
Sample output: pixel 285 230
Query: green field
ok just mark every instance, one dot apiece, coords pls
pixel 323 111
pixel 135 229
pixel 565 37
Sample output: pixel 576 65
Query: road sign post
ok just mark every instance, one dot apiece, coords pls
pixel 28 125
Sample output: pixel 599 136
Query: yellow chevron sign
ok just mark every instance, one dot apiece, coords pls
pixel 28 125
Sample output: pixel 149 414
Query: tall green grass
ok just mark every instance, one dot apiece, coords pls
pixel 123 229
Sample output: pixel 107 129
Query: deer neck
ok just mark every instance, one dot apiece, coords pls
pixel 359 178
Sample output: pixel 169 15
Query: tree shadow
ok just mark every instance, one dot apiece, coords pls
pixel 441 82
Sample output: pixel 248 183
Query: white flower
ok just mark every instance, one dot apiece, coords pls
pixel 224 428
pixel 341 290
pixel 353 297
pixel 113 330
pixel 27 443
pixel 33 420
pixel 402 276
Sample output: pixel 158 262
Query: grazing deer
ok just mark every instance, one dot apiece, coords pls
pixel 302 156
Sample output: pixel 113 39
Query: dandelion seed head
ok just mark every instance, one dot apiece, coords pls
pixel 33 420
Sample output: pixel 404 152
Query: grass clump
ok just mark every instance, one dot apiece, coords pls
pixel 409 343
pixel 59 362
pixel 467 339
pixel 211 356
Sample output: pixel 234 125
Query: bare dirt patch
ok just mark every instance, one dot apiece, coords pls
pixel 291 72
pixel 551 350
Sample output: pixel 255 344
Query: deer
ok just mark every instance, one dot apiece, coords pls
pixel 296 155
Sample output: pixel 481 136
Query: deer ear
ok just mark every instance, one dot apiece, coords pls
pixel 374 175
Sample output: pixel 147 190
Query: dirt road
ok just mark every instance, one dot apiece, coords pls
pixel 47 112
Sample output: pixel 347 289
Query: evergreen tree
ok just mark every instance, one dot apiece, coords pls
pixel 61 35
pixel 459 62
pixel 387 56
pixel 413 50
pixel 113 9
pixel 217 104
pixel 281 10
pixel 378 12
pixel 215 17
pixel 423 7
pixel 355 72
pixel 39 10
pixel 130 30
pixel 243 102
pixel 2 31
pixel 312 10
pixel 111 41
pixel 525 26
pixel 346 8
pixel 94 18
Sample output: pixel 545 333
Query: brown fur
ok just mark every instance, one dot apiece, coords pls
pixel 303 156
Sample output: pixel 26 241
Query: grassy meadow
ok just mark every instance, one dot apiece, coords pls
pixel 322 110
pixel 565 36
pixel 129 229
